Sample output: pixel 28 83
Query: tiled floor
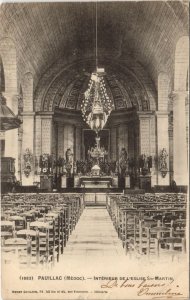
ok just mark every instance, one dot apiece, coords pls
pixel 94 235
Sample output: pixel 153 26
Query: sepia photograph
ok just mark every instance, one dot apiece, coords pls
pixel 94 144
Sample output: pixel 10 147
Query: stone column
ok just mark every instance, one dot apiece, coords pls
pixel 162 142
pixel 38 145
pixel 78 142
pixel 113 143
pixel 60 140
pixel 68 138
pixel 147 141
pixel 11 136
pixel 122 137
pixel 144 133
pixel 131 140
pixel 179 138
pixel 2 139
pixel 170 135
pixel 46 127
pixel 43 138
pixel 27 145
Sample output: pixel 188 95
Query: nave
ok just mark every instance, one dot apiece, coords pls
pixel 62 244
pixel 38 230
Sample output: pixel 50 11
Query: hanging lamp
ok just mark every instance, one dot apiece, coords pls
pixel 96 105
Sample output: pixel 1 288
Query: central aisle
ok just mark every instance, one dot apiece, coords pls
pixel 94 235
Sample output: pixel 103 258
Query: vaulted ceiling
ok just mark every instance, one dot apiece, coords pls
pixel 49 37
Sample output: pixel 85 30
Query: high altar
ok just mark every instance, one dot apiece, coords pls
pixel 96 178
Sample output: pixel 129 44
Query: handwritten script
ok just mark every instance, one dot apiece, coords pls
pixel 153 288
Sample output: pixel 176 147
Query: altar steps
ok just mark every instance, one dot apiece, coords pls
pixel 91 190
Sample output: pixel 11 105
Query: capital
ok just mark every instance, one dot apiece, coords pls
pixel 178 94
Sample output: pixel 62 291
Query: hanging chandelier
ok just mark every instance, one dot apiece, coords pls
pixel 96 105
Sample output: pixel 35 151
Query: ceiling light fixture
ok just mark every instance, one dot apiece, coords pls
pixel 96 105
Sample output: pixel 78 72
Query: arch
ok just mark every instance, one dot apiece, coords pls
pixel 83 66
pixel 181 63
pixel 66 87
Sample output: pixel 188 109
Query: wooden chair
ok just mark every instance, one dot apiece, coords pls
pixel 17 251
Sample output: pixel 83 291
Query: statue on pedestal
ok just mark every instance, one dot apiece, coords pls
pixel 145 164
pixel 28 161
pixel 123 162
pixel 45 163
pixel 69 161
pixel 163 162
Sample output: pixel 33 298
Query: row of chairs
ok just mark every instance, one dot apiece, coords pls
pixel 35 231
pixel 146 228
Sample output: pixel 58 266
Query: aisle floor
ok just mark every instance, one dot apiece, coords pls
pixel 94 235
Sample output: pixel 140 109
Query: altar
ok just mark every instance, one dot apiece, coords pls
pixel 95 181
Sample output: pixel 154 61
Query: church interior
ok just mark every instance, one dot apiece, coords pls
pixel 94 129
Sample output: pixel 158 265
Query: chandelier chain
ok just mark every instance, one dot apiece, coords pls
pixel 96 34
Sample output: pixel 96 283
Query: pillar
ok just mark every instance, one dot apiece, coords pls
pixel 122 137
pixel 147 142
pixel 131 140
pixel 43 139
pixel 38 145
pixel 78 143
pixel 2 143
pixel 27 147
pixel 179 139
pixel 113 144
pixel 162 142
pixel 11 136
pixel 46 129
pixel 144 133
pixel 68 138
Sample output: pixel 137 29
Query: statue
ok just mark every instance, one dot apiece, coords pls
pixel 45 163
pixel 123 162
pixel 69 161
pixel 28 161
pixel 69 156
pixel 163 162
pixel 145 163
